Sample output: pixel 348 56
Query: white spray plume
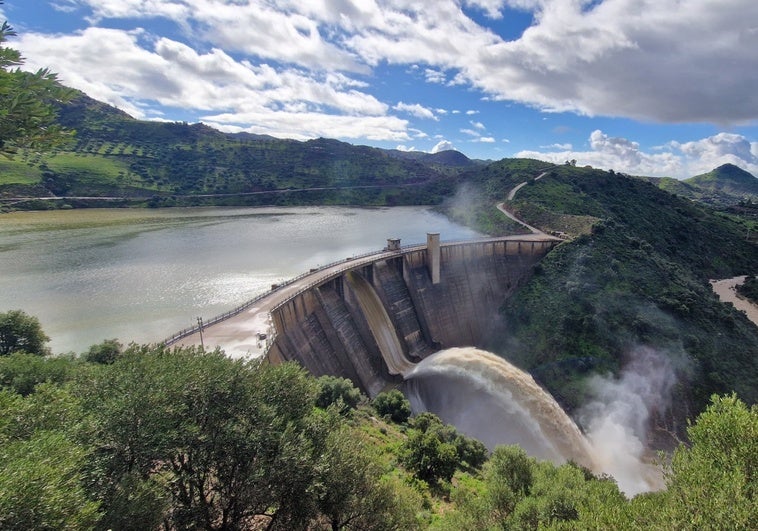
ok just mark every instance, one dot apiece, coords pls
pixel 617 420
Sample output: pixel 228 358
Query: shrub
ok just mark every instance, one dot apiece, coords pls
pixel 393 405
pixel 336 390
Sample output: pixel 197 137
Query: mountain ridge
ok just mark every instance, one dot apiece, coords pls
pixel 173 163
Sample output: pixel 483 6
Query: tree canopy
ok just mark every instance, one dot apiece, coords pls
pixel 161 438
pixel 27 114
pixel 20 332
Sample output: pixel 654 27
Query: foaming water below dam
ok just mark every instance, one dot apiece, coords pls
pixel 486 397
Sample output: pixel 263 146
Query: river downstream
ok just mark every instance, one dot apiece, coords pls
pixel 139 275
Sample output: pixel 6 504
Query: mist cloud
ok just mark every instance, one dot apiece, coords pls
pixel 617 419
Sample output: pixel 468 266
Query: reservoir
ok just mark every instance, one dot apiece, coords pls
pixel 142 274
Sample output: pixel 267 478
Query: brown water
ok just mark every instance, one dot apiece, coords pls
pixel 486 397
pixel 489 399
pixel 380 324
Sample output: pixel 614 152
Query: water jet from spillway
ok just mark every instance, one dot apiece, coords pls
pixel 487 398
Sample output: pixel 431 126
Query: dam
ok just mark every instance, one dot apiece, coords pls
pixel 372 318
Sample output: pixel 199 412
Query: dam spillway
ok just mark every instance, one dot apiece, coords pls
pixel 371 322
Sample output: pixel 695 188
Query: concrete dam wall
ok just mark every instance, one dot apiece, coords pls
pixel 372 323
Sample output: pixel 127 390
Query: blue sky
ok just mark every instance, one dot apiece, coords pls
pixel 648 87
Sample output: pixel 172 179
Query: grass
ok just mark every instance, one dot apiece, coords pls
pixel 16 171
pixel 549 221
pixel 89 168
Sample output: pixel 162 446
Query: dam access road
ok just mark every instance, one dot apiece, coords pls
pixel 248 333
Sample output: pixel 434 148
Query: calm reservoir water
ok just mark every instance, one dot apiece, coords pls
pixel 139 275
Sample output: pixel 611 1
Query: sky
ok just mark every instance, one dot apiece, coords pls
pixel 645 87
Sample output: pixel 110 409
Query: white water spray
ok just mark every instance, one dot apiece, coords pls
pixel 487 398
pixel 617 418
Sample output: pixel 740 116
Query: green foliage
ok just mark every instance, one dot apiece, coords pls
pixel 337 391
pixel 41 463
pixel 749 289
pixel 518 492
pixel 20 332
pixel 392 405
pixel 135 504
pixel 510 476
pixel 434 451
pixel 428 457
pixel 640 278
pixel 470 451
pixel 167 164
pixel 714 483
pixel 105 353
pixel 40 487
pixel 235 438
pixel 728 180
pixel 27 114
pixel 192 440
pixel 353 494
pixel 22 372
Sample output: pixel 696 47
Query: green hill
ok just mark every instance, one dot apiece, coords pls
pixel 723 187
pixel 114 155
pixel 638 276
pixel 729 179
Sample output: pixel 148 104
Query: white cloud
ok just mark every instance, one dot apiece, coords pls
pixel 491 7
pixel 304 125
pixel 470 132
pixel 405 148
pixel 663 60
pixel 416 110
pixel 623 149
pixel 657 61
pixel 486 139
pixel 62 6
pixel 112 66
pixel 614 57
pixel 477 125
pixel 442 145
pixel 270 32
pixel 719 146
pixel 434 76
pixel 680 160
pixel 105 9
